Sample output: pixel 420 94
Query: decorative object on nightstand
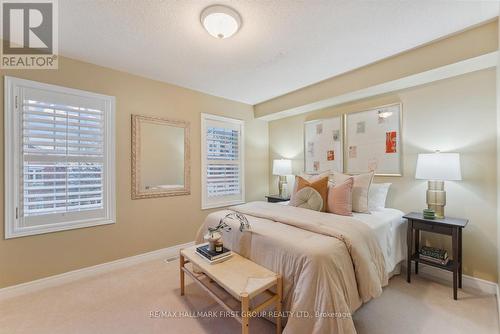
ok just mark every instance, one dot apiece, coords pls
pixel 276 198
pixel 437 168
pixel 282 168
pixel 429 214
pixel 447 226
pixel 433 254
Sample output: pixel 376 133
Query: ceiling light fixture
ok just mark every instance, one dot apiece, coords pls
pixel 220 21
pixel 384 113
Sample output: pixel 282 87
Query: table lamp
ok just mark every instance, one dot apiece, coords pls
pixel 437 168
pixel 282 168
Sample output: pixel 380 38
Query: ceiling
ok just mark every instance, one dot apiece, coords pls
pixel 282 46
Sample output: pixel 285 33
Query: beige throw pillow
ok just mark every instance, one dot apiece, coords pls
pixel 360 189
pixel 308 198
pixel 321 186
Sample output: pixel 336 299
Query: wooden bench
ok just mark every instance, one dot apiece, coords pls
pixel 241 278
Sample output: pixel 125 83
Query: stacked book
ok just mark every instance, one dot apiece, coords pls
pixel 429 214
pixel 212 256
pixel 435 255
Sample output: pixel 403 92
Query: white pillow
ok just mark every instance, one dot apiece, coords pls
pixel 377 195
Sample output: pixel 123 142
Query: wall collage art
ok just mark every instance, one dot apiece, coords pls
pixel 323 145
pixel 356 142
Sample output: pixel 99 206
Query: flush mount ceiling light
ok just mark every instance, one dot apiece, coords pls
pixel 220 21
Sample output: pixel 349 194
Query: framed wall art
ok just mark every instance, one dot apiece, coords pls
pixel 373 141
pixel 323 145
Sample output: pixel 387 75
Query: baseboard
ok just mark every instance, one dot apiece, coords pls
pixel 430 272
pixel 70 276
pixel 443 276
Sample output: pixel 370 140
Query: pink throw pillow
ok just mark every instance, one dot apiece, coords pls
pixel 340 198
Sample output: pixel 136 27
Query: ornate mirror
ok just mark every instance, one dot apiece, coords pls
pixel 160 157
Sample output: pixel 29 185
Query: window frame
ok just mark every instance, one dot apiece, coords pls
pixel 12 148
pixel 204 201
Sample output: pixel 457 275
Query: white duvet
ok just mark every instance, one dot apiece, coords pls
pixel 390 230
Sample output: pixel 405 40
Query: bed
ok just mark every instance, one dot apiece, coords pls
pixel 390 230
pixel 331 264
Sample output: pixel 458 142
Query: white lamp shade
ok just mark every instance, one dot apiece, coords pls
pixel 438 167
pixel 282 167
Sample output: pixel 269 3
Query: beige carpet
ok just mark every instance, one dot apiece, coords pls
pixel 122 301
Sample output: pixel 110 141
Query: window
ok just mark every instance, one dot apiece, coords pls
pixel 59 151
pixel 222 161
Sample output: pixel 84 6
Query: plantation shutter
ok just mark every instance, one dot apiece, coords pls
pixel 223 168
pixel 62 159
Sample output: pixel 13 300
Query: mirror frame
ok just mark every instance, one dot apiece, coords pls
pixel 136 157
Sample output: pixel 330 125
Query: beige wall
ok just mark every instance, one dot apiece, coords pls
pixel 142 225
pixel 464 45
pixel 454 115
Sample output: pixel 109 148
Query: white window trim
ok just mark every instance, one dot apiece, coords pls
pixel 241 123
pixel 12 158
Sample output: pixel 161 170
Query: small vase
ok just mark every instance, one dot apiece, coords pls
pixel 212 238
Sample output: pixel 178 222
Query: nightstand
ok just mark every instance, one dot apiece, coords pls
pixel 276 199
pixel 447 226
